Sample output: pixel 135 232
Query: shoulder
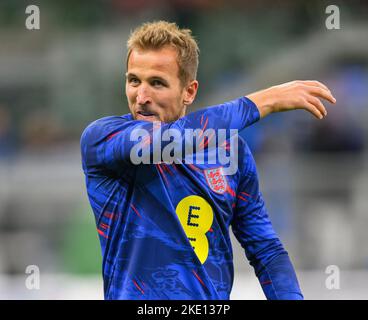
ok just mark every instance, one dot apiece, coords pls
pixel 247 165
pixel 244 150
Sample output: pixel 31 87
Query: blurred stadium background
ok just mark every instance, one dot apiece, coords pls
pixel 56 80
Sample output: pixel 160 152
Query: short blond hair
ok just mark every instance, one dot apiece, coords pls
pixel 158 34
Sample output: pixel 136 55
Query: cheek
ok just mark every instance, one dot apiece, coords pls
pixel 169 100
pixel 129 92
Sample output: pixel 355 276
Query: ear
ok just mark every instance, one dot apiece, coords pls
pixel 190 92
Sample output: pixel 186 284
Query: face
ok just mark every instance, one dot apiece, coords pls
pixel 153 87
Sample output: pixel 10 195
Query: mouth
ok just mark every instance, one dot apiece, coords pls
pixel 147 116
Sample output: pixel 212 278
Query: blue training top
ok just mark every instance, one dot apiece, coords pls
pixel 164 228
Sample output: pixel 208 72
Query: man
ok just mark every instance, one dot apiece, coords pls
pixel 164 227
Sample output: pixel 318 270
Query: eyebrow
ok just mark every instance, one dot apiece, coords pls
pixel 129 75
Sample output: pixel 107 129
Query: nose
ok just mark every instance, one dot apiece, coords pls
pixel 143 96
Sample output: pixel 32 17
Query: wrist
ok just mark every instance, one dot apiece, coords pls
pixel 263 101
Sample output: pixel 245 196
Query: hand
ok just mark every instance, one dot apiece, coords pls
pixel 293 95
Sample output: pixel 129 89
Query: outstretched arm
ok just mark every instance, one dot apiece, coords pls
pixel 293 95
pixel 108 142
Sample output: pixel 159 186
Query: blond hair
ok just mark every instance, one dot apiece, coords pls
pixel 158 34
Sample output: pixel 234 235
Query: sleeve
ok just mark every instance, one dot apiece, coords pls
pixel 253 229
pixel 108 142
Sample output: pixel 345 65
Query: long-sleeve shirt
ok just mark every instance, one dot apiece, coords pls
pixel 164 227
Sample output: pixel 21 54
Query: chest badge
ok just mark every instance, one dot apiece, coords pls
pixel 216 180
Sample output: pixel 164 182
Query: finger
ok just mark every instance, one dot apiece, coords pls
pixel 312 109
pixel 314 83
pixel 319 105
pixel 322 93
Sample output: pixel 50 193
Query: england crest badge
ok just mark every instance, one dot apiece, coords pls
pixel 216 180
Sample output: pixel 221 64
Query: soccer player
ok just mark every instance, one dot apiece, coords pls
pixel 164 227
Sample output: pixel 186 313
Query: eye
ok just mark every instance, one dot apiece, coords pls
pixel 157 83
pixel 133 81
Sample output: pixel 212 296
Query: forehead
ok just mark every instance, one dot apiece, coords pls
pixel 162 61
